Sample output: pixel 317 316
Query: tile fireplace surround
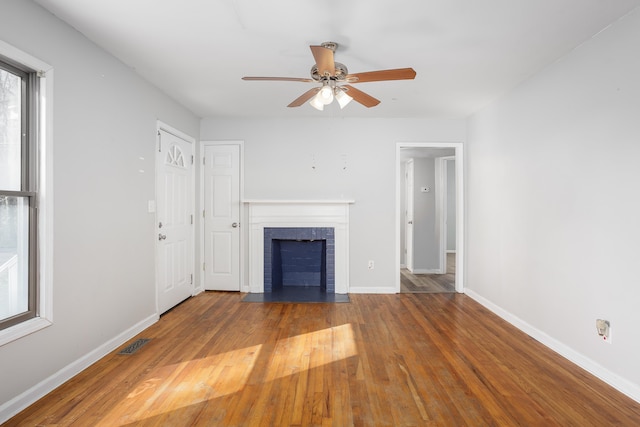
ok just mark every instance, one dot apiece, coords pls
pixel 298 213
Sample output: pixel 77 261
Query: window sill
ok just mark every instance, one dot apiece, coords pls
pixel 23 329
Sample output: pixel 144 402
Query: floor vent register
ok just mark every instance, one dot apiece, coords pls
pixel 134 346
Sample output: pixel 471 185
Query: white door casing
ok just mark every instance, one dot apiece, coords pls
pixel 221 216
pixel 459 197
pixel 174 219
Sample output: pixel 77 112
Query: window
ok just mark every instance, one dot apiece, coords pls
pixel 24 211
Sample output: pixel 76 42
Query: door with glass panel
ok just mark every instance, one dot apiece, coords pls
pixel 174 227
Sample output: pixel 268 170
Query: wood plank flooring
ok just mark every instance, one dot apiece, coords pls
pixel 430 283
pixel 380 360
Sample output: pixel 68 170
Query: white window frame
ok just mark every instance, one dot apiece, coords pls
pixel 44 145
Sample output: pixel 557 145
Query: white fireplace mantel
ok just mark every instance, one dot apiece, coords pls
pixel 298 213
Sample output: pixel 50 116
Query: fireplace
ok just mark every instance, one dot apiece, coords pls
pixel 296 225
pixel 300 257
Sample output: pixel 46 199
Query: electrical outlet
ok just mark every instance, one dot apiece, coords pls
pixel 604 330
pixel 371 265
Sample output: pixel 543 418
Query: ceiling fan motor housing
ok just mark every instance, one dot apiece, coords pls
pixel 339 75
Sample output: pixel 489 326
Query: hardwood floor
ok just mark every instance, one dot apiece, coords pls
pixel 430 283
pixel 380 360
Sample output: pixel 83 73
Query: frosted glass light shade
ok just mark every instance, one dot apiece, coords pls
pixel 342 98
pixel 326 95
pixel 316 102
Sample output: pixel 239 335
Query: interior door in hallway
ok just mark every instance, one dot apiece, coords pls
pixel 174 220
pixel 221 172
pixel 409 215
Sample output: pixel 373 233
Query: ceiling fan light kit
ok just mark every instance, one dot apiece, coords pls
pixel 342 97
pixel 332 75
pixel 327 94
pixel 317 103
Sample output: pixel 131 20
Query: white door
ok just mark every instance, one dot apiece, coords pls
pixel 221 171
pixel 174 220
pixel 409 216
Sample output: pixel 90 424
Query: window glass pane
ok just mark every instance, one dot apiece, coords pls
pixel 14 253
pixel 10 130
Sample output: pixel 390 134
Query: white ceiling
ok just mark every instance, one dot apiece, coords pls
pixel 466 52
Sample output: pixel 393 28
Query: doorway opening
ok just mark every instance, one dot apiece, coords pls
pixel 429 217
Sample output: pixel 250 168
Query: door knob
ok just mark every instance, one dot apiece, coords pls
pixel 235 225
pixel 162 236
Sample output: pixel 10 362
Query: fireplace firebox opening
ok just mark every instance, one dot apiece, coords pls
pixel 299 257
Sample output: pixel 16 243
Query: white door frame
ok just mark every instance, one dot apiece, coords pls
pixel 170 129
pixel 244 287
pixel 460 233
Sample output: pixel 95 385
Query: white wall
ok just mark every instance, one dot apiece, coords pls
pixel 104 134
pixel 553 207
pixel 278 164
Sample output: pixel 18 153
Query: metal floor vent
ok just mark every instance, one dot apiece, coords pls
pixel 134 346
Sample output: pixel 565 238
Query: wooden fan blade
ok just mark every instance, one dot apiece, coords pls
pixel 304 97
pixel 361 97
pixel 279 79
pixel 324 60
pixel 381 75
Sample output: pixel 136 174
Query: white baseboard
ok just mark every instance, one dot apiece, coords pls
pixel 624 386
pixel 372 290
pixel 20 402
pixel 426 271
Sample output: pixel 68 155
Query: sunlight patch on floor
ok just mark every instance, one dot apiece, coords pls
pixel 308 351
pixel 169 388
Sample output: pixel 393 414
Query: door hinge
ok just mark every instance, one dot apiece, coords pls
pixel 203 266
pixel 159 142
pixel 192 279
pixel 191 219
pixel 192 159
pixel 203 213
pixel 204 160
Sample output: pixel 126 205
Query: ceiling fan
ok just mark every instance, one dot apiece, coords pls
pixel 336 81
